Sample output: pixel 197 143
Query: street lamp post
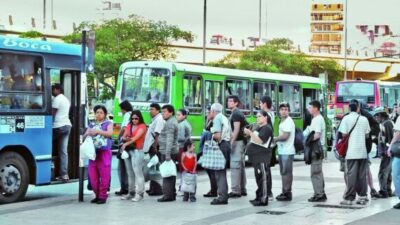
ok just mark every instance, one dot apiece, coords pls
pixel 204 32
pixel 345 41
pixel 44 14
pixel 259 22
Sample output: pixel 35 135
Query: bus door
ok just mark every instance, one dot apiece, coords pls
pixel 308 96
pixel 70 81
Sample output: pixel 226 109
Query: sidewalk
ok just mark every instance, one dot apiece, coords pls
pixel 58 205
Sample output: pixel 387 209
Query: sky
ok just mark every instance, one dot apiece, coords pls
pixel 237 19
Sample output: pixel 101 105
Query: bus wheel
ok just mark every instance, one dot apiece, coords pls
pixel 14 177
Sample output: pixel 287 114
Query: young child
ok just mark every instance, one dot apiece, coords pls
pixel 189 164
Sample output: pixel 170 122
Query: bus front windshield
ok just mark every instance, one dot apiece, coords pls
pixel 146 85
pixel 356 90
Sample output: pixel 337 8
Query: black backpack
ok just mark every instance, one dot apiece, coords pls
pixel 299 141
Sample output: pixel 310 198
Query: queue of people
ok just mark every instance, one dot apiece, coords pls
pixel 167 138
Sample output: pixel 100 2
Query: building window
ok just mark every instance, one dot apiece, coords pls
pixel 192 94
pixel 290 93
pixel 239 88
pixel 21 83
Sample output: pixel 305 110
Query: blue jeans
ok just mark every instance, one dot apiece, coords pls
pixel 134 169
pixel 61 137
pixel 396 174
pixel 286 170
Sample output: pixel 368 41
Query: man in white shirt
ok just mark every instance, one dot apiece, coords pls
pixel 61 129
pixel 319 128
pixel 286 151
pixel 356 156
pixel 150 146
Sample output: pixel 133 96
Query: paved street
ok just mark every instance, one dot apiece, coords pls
pixel 58 205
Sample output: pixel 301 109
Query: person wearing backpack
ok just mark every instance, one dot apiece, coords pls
pixel 357 127
pixel 385 167
pixel 318 128
pixel 395 160
pixel 286 151
pixel 100 168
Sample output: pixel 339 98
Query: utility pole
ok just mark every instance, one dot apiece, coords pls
pixel 259 22
pixel 44 14
pixel 345 42
pixel 204 32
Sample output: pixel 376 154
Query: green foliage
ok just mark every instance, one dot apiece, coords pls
pixel 132 39
pixel 277 56
pixel 31 34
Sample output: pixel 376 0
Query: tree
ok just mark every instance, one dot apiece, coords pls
pixel 122 40
pixel 31 34
pixel 279 56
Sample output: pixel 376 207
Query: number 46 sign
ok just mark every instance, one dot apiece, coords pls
pixel 20 125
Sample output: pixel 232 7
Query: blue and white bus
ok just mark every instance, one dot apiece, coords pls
pixel 28 68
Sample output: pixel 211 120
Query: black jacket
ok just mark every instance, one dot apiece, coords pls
pixel 313 149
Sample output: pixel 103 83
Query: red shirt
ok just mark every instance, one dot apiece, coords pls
pixel 189 163
pixel 132 133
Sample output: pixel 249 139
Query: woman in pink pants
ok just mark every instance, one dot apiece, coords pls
pixel 100 168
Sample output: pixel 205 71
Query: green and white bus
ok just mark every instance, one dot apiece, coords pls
pixel 196 87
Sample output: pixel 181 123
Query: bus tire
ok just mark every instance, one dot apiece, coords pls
pixel 13 166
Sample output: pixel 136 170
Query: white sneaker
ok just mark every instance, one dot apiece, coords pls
pixel 127 197
pixel 137 198
pixel 346 202
pixel 362 200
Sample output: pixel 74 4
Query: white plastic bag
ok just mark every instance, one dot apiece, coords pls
pixel 153 161
pixel 87 149
pixel 168 169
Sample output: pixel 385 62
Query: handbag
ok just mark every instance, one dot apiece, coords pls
pixel 212 158
pixel 342 144
pixel 395 149
pixel 189 181
pixel 87 149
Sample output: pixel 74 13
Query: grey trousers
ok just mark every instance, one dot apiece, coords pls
pixel 220 175
pixel 317 178
pixel 238 172
pixel 356 174
pixel 168 183
pixel 385 174
pixel 286 170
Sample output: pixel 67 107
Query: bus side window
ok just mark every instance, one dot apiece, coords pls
pixel 260 89
pixel 241 89
pixel 212 93
pixel 192 94
pixel 21 82
pixel 290 93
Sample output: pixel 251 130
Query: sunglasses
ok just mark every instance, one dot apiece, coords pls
pixel 135 118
